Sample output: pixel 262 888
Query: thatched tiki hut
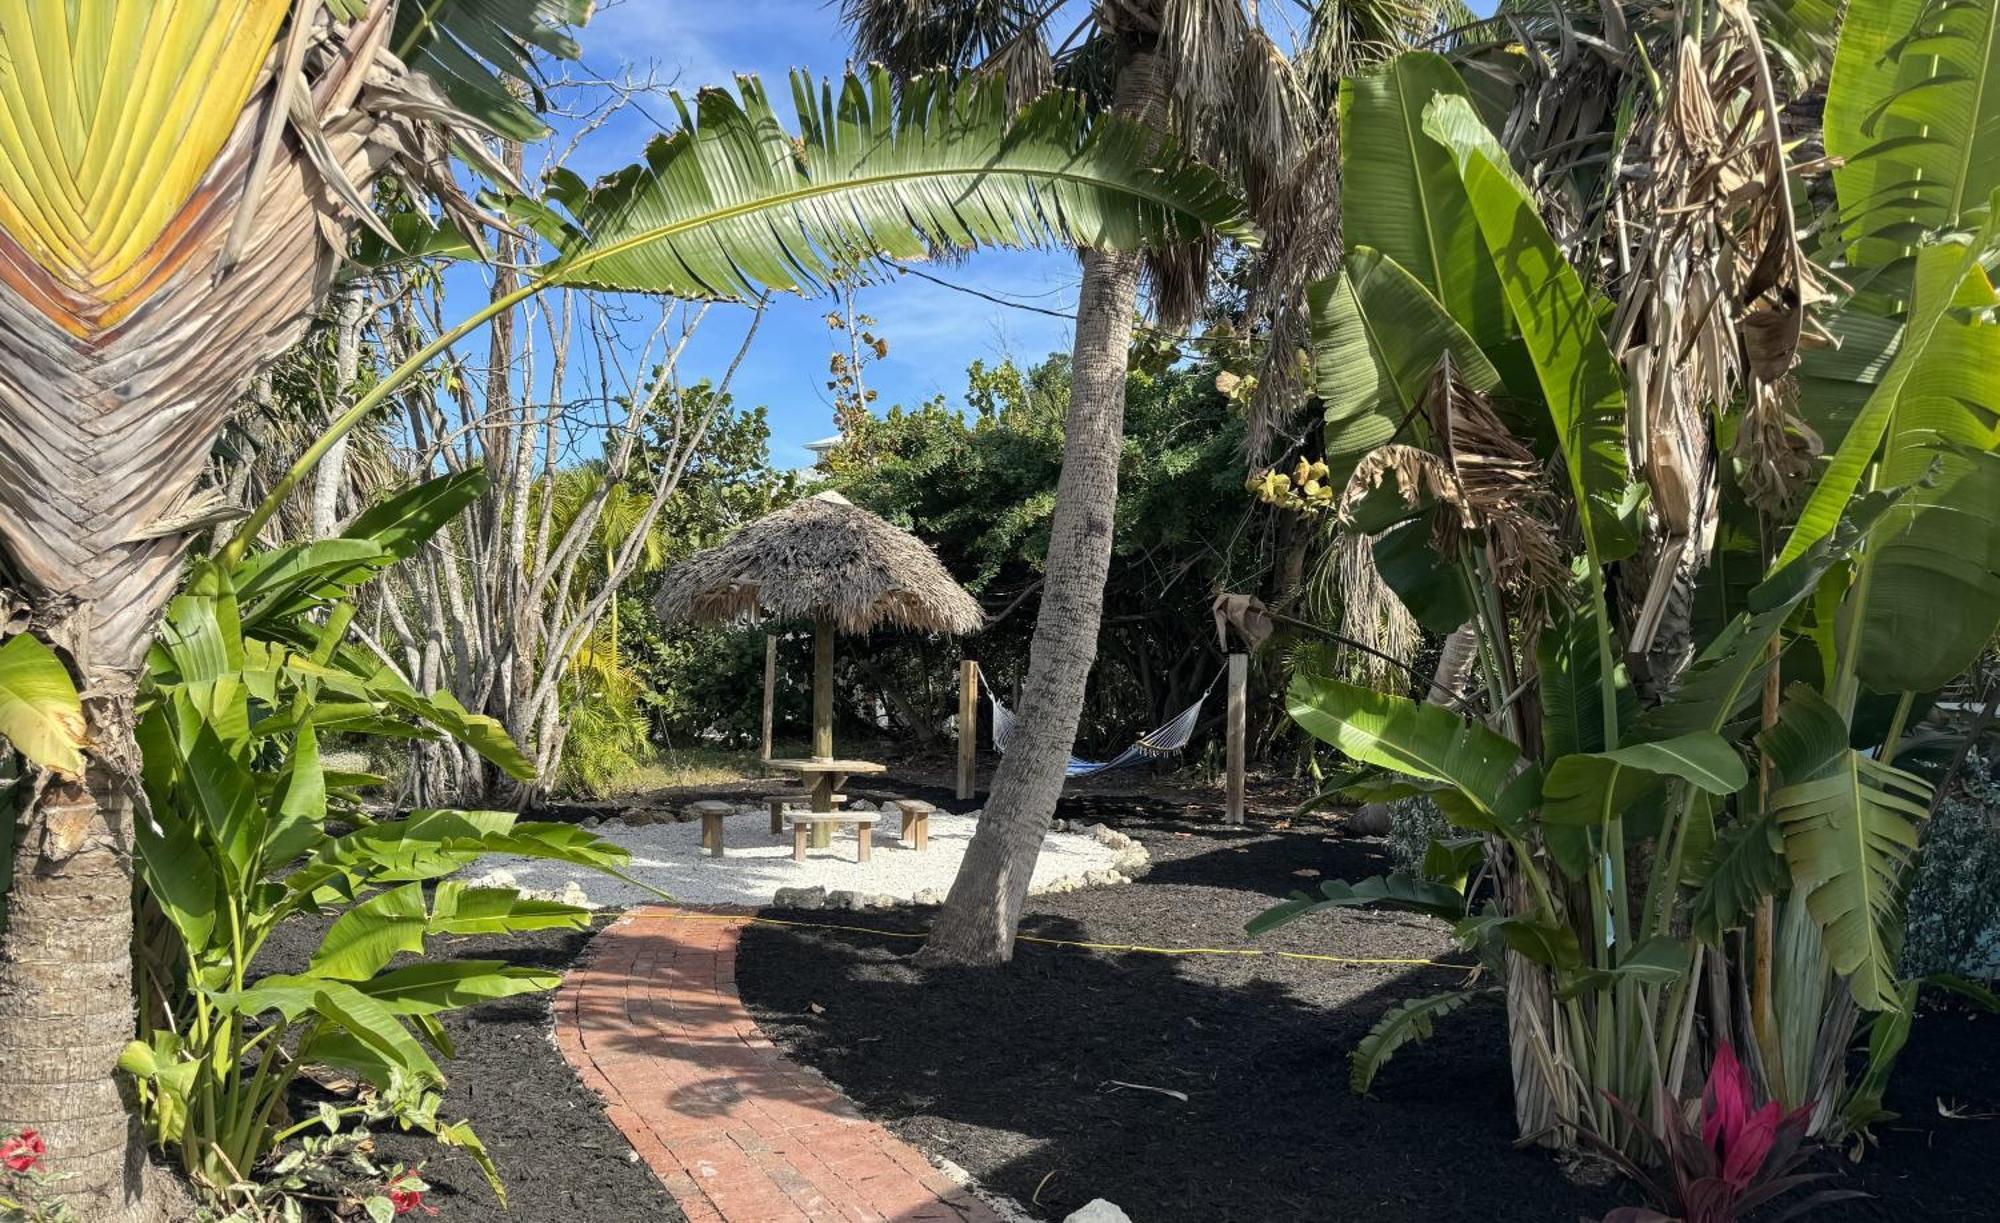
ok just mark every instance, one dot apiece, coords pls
pixel 826 560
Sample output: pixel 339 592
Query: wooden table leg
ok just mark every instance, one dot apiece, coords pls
pixel 824 787
pixel 777 816
pixel 864 841
pixel 711 828
pixel 799 842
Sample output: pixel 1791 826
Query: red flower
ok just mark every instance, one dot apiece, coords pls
pixel 406 1194
pixel 23 1151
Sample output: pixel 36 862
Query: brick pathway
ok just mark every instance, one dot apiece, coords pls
pixel 652 1023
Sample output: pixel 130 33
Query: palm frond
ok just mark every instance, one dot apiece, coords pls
pixel 731 205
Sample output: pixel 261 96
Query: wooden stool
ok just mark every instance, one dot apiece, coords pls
pixel 777 804
pixel 711 812
pixel 916 820
pixel 803 822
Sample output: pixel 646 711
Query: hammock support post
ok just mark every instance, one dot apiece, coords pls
pixel 968 725
pixel 1239 683
pixel 770 687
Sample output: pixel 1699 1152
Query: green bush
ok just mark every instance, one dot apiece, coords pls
pixel 1955 901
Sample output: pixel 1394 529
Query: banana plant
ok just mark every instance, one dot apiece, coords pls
pixel 1752 824
pixel 247 829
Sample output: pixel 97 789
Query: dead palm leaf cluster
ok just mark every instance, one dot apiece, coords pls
pixel 1654 139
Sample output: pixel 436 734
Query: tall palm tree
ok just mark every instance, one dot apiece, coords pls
pixel 1206 74
pixel 177 186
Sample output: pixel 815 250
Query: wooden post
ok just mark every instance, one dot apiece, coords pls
pixel 770 688
pixel 968 725
pixel 1239 682
pixel 823 688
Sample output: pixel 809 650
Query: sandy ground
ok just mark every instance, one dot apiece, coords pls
pixel 756 864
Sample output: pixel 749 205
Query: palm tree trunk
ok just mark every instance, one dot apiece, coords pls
pixel 984 907
pixel 66 983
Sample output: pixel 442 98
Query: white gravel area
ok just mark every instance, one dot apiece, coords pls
pixel 756 864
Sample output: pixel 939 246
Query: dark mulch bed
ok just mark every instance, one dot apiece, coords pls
pixel 561 1159
pixel 1014 1073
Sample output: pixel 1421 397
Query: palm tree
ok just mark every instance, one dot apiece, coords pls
pixel 145 279
pixel 1203 73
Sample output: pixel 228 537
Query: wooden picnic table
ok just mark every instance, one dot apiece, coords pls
pixel 822 777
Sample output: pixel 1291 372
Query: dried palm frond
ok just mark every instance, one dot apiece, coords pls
pixel 1420 476
pixel 1371 614
pixel 1504 484
pixel 820 557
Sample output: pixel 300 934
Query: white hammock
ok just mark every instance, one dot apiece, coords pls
pixel 1155 744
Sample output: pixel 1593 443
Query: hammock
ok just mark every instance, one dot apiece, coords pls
pixel 1155 744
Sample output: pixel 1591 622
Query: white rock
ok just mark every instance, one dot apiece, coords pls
pixel 1097 1210
pixel 861 804
pixel 800 898
pixel 884 901
pixel 844 898
pixel 928 896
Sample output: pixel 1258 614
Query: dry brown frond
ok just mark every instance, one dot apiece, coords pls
pixel 823 556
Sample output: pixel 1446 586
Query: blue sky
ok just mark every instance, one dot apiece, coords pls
pixel 933 332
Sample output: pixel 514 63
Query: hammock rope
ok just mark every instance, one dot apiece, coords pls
pixel 1156 744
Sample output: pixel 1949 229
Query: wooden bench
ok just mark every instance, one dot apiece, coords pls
pixel 778 800
pixel 916 821
pixel 803 822
pixel 711 812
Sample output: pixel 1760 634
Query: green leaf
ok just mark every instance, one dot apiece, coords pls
pixel 441 709
pixel 1656 961
pixel 1423 741
pixel 1943 270
pixel 426 989
pixel 1402 196
pixel 1928 591
pixel 370 1024
pixel 1572 694
pixel 459 1134
pixel 1545 942
pixel 1406 1022
pixel 1911 110
pixel 1397 891
pixel 481 53
pixel 40 713
pixel 1590 789
pixel 1850 829
pixel 1427 585
pixel 1729 673
pixel 366 937
pixel 403 523
pixel 201 635
pixel 731 205
pixel 1377 335
pixel 1558 320
pixel 1746 865
pixel 458 909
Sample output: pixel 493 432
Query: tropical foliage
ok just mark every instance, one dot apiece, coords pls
pixel 1741 817
pixel 248 829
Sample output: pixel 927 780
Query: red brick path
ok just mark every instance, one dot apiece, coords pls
pixel 652 1023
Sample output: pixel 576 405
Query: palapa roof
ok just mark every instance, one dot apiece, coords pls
pixel 822 555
